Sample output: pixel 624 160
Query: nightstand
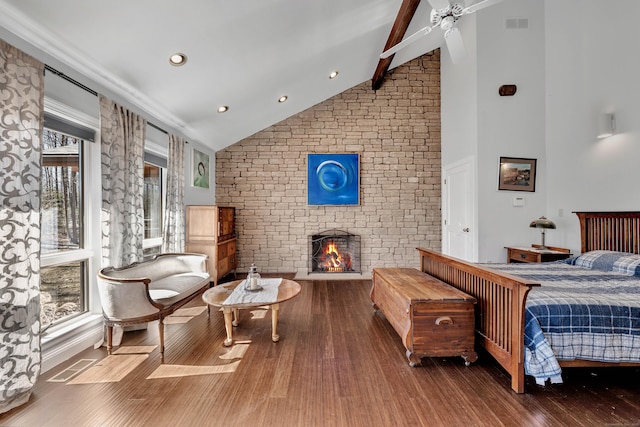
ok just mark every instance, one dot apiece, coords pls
pixel 535 254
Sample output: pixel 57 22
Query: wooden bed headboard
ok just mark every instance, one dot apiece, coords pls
pixel 611 231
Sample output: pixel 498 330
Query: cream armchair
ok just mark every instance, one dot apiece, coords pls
pixel 150 290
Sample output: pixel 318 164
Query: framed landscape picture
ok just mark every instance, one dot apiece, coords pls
pixel 517 174
pixel 333 179
pixel 200 173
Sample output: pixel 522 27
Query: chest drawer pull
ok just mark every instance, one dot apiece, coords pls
pixel 445 320
pixel 523 256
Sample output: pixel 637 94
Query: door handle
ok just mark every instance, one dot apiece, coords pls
pixel 466 229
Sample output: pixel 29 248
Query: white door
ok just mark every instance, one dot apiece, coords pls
pixel 458 211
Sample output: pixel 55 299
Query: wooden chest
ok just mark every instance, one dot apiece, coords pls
pixel 431 317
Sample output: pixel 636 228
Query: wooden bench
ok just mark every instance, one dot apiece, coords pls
pixel 431 317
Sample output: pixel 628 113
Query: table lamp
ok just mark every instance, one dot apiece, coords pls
pixel 543 224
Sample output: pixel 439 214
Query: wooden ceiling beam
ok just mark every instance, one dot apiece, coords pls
pixel 399 29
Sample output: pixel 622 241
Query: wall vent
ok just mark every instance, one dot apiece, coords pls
pixel 72 371
pixel 517 23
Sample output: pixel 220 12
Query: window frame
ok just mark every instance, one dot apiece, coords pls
pixel 157 152
pixel 89 155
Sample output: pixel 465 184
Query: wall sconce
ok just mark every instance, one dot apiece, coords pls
pixel 606 125
pixel 542 224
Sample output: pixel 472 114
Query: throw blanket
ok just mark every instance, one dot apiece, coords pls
pixel 577 313
pixel 267 295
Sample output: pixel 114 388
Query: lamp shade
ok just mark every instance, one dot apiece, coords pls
pixel 542 222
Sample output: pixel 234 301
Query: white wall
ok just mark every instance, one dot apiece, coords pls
pixel 459 99
pixel 477 121
pixel 573 63
pixel 592 67
pixel 459 123
pixel 510 126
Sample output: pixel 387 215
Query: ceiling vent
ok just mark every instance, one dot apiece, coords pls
pixel 517 23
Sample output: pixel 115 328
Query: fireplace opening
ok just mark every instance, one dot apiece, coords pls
pixel 334 251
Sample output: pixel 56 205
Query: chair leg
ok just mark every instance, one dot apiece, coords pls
pixel 109 338
pixel 161 333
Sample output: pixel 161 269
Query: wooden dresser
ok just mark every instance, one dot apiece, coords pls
pixel 211 230
pixel 431 317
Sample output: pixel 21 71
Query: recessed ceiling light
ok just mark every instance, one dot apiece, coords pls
pixel 333 75
pixel 178 59
pixel 283 98
pixel 223 109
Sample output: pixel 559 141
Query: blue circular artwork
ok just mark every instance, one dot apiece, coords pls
pixel 333 179
pixel 332 175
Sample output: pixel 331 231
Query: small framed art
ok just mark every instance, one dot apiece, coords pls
pixel 333 179
pixel 517 174
pixel 200 166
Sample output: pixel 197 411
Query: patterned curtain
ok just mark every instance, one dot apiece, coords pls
pixel 173 229
pixel 21 117
pixel 122 136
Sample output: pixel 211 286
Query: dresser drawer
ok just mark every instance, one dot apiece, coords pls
pixel 222 250
pixel 231 248
pixel 223 267
pixel 536 254
pixel 523 256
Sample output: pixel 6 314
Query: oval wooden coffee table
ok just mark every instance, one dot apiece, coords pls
pixel 231 298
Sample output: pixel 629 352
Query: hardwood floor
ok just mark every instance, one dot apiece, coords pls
pixel 337 364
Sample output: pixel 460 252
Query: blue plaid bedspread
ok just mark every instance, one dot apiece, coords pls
pixel 577 313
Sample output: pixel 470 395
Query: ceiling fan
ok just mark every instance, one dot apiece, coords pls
pixel 444 15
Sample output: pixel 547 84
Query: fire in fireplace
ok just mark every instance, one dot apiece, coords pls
pixel 334 251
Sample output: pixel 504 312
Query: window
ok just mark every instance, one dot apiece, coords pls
pixel 153 198
pixel 63 292
pixel 64 267
pixel 61 192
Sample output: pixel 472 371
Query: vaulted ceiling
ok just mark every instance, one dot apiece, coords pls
pixel 244 55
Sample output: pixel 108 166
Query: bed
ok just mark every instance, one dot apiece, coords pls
pixel 506 319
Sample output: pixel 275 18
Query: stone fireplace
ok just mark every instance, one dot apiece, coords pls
pixel 264 176
pixel 334 251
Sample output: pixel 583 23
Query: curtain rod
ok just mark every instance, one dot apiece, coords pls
pixel 157 127
pixel 88 89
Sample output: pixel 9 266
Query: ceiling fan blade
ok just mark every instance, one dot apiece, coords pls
pixel 439 4
pixel 412 38
pixel 477 6
pixel 453 38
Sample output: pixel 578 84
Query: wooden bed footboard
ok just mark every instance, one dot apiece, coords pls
pixel 499 311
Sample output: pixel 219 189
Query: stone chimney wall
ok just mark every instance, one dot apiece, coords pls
pixel 396 132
